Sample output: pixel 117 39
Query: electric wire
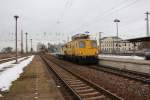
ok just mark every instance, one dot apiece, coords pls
pixel 113 9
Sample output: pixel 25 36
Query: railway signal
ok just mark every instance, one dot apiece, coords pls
pixel 26 42
pixel 22 41
pixel 31 46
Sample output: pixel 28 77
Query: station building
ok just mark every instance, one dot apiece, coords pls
pixel 144 43
pixel 111 45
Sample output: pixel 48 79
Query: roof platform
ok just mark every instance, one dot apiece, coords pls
pixel 80 36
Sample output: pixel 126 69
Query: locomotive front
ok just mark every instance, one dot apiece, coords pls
pixel 81 49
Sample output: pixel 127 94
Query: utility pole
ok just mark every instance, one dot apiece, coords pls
pixel 100 41
pixel 22 41
pixel 16 17
pixel 68 38
pixel 26 42
pixel 31 45
pixel 113 51
pixel 147 23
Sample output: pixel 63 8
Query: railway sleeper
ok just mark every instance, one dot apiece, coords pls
pixel 85 90
pixel 83 87
pixel 78 85
pixel 73 81
pixel 147 79
pixel 68 78
pixel 85 96
pixel 102 97
pixel 91 94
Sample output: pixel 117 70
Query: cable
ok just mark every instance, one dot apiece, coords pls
pixel 107 11
pixel 68 5
pixel 112 11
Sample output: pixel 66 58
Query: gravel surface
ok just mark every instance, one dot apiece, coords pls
pixel 34 84
pixel 126 88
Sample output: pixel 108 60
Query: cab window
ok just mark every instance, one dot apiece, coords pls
pixel 94 44
pixel 81 44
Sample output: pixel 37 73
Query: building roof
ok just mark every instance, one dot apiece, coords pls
pixel 140 39
pixel 114 37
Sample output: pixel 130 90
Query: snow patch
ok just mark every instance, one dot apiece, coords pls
pixel 6 58
pixel 11 74
pixel 9 63
pixel 122 57
pixel 1 95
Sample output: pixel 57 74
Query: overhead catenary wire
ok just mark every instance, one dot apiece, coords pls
pixel 68 4
pixel 107 11
pixel 115 9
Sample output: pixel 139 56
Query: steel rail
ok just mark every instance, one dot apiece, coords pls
pixel 94 88
pixel 137 76
pixel 9 59
pixel 134 75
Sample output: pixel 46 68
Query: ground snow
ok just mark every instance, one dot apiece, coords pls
pixel 1 95
pixel 123 57
pixel 9 63
pixel 6 58
pixel 11 74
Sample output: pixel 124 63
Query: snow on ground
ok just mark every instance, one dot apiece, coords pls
pixel 9 62
pixel 6 59
pixel 122 57
pixel 11 74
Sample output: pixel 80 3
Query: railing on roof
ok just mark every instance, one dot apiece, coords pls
pixel 80 36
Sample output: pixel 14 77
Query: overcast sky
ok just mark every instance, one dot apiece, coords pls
pixel 55 20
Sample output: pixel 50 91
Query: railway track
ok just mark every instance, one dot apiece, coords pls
pixel 137 76
pixel 82 88
pixel 8 59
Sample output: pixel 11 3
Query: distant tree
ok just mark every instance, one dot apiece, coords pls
pixel 54 47
pixel 41 47
pixel 7 50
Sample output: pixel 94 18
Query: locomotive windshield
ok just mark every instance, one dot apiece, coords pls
pixel 81 44
pixel 94 44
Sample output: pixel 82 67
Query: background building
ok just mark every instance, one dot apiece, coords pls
pixel 109 46
pixel 143 44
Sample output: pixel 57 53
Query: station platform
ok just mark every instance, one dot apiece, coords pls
pixel 139 65
pixel 34 84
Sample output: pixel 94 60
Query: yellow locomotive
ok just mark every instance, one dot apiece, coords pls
pixel 81 49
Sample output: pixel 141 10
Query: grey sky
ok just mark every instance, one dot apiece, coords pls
pixel 62 18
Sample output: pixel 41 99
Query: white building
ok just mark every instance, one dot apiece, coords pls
pixel 109 45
